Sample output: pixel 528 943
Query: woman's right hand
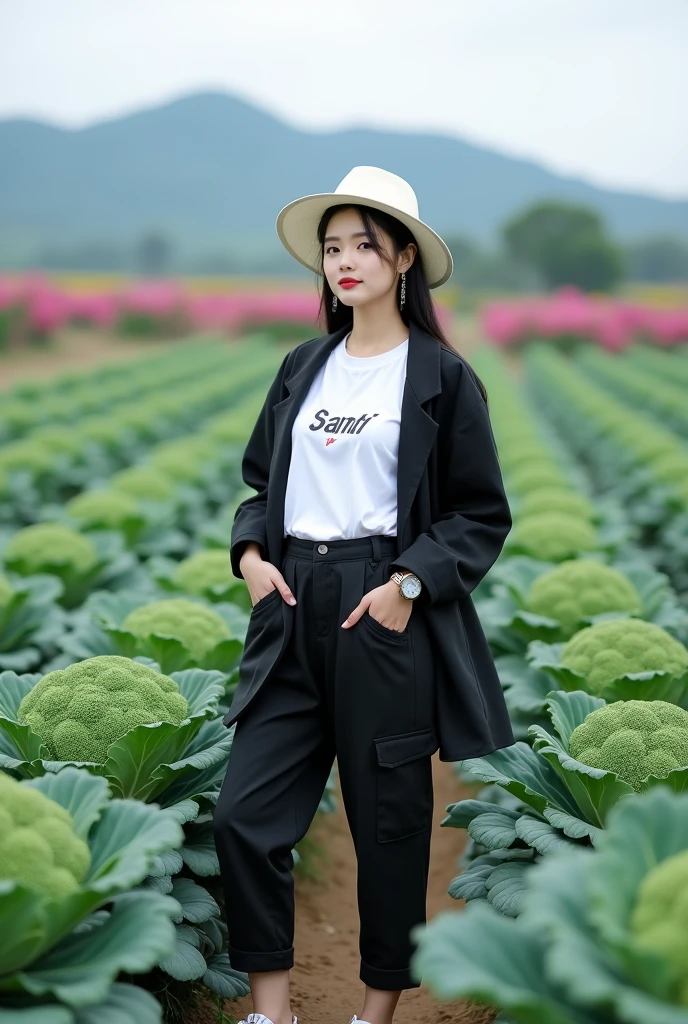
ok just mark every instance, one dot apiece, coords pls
pixel 262 576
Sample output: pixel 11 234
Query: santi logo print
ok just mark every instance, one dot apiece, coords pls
pixel 340 424
pixel 330 440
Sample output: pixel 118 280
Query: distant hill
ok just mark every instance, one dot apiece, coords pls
pixel 212 172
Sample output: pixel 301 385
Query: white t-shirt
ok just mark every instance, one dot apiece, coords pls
pixel 342 479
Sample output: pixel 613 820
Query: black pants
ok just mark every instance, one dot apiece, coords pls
pixel 365 695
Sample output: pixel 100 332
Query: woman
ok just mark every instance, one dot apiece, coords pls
pixel 379 507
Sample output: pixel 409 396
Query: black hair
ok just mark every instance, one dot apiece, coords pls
pixel 418 304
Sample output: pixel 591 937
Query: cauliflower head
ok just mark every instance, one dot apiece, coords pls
pixel 79 711
pixel 204 569
pixel 144 482
pixel 553 536
pixel 607 650
pixel 582 587
pixel 200 628
pixel 183 460
pixel 103 508
pixel 41 546
pixel 634 738
pixel 659 919
pixel 38 845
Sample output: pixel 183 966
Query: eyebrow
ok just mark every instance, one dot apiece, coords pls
pixel 336 238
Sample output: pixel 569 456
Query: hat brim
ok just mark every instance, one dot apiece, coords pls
pixel 297 224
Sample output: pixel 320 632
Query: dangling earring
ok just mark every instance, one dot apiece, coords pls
pixel 334 303
pixel 403 290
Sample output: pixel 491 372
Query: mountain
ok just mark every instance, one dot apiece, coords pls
pixel 212 171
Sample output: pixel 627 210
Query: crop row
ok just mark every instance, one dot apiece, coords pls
pixel 630 456
pixel 55 462
pixel 31 404
pixel 576 870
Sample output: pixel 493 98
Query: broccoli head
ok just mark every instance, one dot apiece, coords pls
pixel 582 587
pixel 183 459
pixel 555 499
pixel 611 649
pixel 553 536
pixel 79 711
pixel 26 454
pixel 42 546
pixel 634 738
pixel 204 569
pixel 144 482
pixel 103 508
pixel 659 919
pixel 535 477
pixel 198 627
pixel 38 845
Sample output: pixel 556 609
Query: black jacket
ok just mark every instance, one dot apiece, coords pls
pixel 452 520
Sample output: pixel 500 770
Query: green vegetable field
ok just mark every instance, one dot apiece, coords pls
pixel 121 631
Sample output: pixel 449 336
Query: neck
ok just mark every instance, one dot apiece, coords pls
pixel 376 330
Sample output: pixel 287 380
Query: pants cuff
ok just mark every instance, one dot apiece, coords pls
pixel 276 960
pixel 388 981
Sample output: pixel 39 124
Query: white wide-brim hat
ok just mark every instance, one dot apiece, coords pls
pixel 297 222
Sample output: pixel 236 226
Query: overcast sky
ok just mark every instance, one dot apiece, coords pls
pixel 592 88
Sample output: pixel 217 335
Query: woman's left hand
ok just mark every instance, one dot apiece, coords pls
pixel 386 604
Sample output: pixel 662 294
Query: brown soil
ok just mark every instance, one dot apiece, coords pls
pixel 325 987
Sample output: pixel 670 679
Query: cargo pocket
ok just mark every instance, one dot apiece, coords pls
pixel 404 783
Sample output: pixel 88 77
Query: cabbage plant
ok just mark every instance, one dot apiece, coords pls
pixel 141 730
pixel 601 937
pixel 82 562
pixel 537 600
pixel 563 786
pixel 618 659
pixel 177 633
pixel 31 621
pixel 69 923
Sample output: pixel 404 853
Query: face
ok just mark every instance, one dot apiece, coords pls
pixel 348 253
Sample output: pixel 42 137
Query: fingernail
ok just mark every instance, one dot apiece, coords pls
pixel 344 622
pixel 292 599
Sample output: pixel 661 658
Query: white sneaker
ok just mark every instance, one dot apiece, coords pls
pixel 260 1018
pixel 357 1020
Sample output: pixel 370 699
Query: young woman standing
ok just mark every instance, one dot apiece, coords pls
pixel 379 507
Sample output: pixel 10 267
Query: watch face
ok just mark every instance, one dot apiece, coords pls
pixel 411 587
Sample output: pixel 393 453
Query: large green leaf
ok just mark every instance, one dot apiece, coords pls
pixel 223 980
pixel 195 904
pixel 185 962
pixel 482 955
pixel 524 773
pixel 81 968
pixel 85 796
pixel 124 841
pixel 124 1005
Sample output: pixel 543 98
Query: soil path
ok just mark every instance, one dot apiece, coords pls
pixel 325 986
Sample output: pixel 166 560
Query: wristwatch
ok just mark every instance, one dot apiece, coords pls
pixel 409 584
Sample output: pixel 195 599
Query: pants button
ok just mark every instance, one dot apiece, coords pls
pixel 322 549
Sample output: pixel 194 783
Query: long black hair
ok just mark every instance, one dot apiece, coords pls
pixel 418 304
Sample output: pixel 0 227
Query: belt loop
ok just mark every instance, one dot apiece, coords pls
pixel 376 548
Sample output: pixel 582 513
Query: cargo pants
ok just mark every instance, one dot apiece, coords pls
pixel 365 695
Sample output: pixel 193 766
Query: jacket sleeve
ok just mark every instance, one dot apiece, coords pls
pixel 249 517
pixel 453 556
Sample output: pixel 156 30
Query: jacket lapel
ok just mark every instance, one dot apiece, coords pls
pixel 417 431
